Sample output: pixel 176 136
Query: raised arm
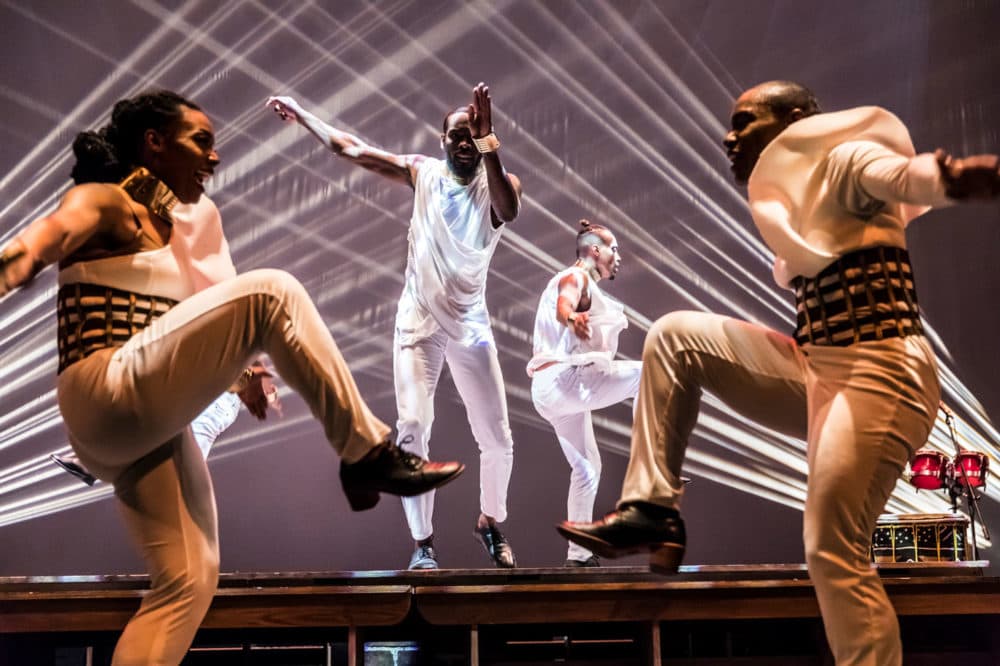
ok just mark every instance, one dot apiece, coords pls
pixel 400 168
pixel 505 188
pixel 571 289
pixel 83 211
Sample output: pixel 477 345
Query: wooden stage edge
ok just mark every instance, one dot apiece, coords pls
pixel 485 597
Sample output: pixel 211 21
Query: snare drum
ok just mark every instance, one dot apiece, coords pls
pixel 920 537
pixel 929 469
pixel 971 468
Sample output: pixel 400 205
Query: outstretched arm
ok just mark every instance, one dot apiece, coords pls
pixel 505 188
pixel 924 180
pixel 401 168
pixel 571 288
pixel 53 237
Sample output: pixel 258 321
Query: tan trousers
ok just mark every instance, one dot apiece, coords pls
pixel 127 411
pixel 863 409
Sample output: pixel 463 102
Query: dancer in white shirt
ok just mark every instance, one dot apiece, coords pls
pixel 573 371
pixel 832 195
pixel 460 205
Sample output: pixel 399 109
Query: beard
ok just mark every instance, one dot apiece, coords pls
pixel 462 169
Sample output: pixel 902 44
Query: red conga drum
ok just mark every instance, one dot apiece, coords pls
pixel 929 469
pixel 971 468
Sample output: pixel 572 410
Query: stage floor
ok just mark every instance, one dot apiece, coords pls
pixel 471 603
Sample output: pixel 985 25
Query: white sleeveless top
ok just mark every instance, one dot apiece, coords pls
pixel 451 243
pixel 556 342
pixel 196 257
pixel 152 272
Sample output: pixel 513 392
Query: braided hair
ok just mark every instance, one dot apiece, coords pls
pixel 588 234
pixel 110 153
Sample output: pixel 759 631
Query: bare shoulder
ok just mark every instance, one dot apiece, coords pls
pixel 104 205
pixel 101 196
pixel 573 279
pixel 413 162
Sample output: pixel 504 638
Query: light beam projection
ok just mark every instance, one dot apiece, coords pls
pixel 611 111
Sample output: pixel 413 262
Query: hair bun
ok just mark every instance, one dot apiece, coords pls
pixel 95 158
pixel 586 224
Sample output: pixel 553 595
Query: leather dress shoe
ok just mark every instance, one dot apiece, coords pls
pixel 591 561
pixel 389 469
pixel 496 545
pixel 424 557
pixel 634 528
pixel 74 468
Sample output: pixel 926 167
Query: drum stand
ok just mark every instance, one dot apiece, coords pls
pixel 957 488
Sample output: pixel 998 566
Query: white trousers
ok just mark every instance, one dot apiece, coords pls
pixel 565 395
pixel 127 412
pixel 215 420
pixel 476 372
pixel 862 409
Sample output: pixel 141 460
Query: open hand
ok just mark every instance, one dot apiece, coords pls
pixel 972 177
pixel 581 325
pixel 257 394
pixel 480 112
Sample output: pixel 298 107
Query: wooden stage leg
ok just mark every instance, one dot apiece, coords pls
pixel 654 657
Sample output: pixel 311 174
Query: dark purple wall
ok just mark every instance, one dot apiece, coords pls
pixel 612 111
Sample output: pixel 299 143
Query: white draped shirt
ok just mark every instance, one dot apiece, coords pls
pixel 451 243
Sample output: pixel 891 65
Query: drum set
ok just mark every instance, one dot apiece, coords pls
pixel 964 475
pixel 932 470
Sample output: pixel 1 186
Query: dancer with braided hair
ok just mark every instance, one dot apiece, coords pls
pixel 202 251
pixel 573 370
pixel 140 357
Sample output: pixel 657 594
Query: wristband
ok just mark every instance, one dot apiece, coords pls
pixel 487 144
pixel 243 381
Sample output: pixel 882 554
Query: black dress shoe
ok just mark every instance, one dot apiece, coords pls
pixel 74 468
pixel 389 469
pixel 496 545
pixel 591 561
pixel 634 528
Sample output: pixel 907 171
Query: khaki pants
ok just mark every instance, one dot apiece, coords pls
pixel 127 411
pixel 863 409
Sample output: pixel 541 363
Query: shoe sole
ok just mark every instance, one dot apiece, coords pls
pixel 362 499
pixel 664 557
pixel 89 479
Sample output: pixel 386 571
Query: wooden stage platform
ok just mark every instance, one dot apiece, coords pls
pixel 759 614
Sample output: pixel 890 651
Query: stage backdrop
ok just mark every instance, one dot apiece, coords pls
pixel 612 111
